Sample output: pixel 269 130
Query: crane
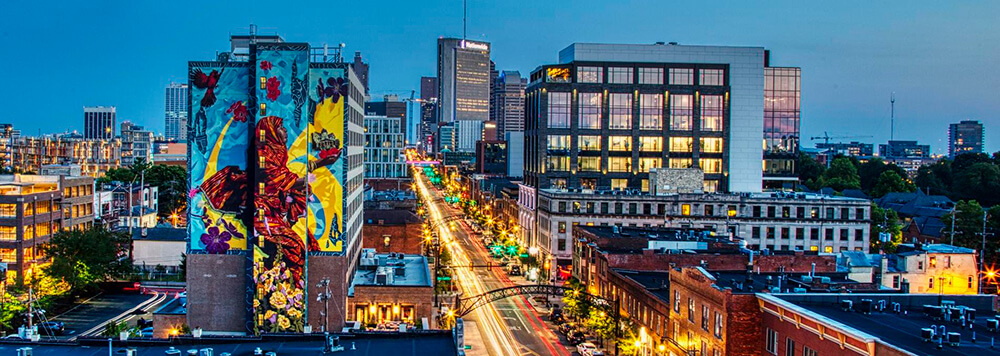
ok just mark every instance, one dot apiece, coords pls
pixel 826 137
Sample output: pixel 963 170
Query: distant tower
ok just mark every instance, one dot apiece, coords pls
pixel 892 115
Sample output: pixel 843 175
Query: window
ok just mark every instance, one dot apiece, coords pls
pixel 559 105
pixel 681 76
pixel 930 283
pixel 933 261
pixel 786 233
pixel 589 164
pixel 651 144
pixel 650 111
pixel 590 110
pixel 620 164
pixel 8 210
pixel 789 347
pixel 710 165
pixel 685 209
pixel 800 233
pixel 620 143
pixel 828 249
pixel 562 225
pixel 691 310
pixel 970 282
pixel 561 244
pixel 859 234
pixel 8 233
pixel 589 75
pixel 711 113
pixel 557 75
pixel 895 281
pixel 620 75
pixel 650 75
pixel 589 143
pixel 680 163
pixel 681 109
pixel 814 213
pixel 829 213
pixel 828 235
pixel 677 302
pixel 558 142
pixel 557 163
pixel 645 164
pixel 681 144
pixel 718 325
pixel 619 183
pixel 806 351
pixel 755 232
pixel 621 111
pixel 710 77
pixel 704 317
pixel 843 234
pixel 786 212
pixel 710 144
pixel 771 343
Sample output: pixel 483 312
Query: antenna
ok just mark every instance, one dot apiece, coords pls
pixel 465 16
pixel 892 115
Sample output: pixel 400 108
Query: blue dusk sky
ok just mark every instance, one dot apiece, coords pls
pixel 939 57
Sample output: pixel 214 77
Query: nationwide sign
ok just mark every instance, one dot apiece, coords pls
pixel 475 45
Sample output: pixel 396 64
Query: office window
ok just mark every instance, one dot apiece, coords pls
pixel 710 165
pixel 806 351
pixel 814 213
pixel 619 183
pixel 681 144
pixel 786 233
pixel 557 75
pixel 828 234
pixel 589 164
pixel 589 75
pixel 562 225
pixel 650 111
pixel 646 163
pixel 650 75
pixel 789 347
pixel 710 144
pixel 681 76
pixel 680 163
pixel 589 143
pixel 557 163
pixel 843 234
pixel 755 232
pixel 859 234
pixel 829 213
pixel 691 310
pixel 651 144
pixel 800 233
pixel 620 143
pixel 558 142
pixel 711 112
pixel 644 186
pixel 621 111
pixel 590 110
pixel 559 105
pixel 710 77
pixel 619 164
pixel 859 214
pixel 620 75
pixel 771 341
pixel 681 109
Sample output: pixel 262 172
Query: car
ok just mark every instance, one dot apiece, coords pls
pixel 597 353
pixel 514 269
pixel 576 337
pixel 565 328
pixel 52 327
pixel 146 332
pixel 586 348
pixel 556 315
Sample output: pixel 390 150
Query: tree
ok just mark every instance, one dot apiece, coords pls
pixel 577 303
pixel 810 171
pixel 979 181
pixel 968 222
pixel 171 182
pixel 885 221
pixel 602 323
pixel 889 182
pixel 81 258
pixel 841 175
pixel 936 177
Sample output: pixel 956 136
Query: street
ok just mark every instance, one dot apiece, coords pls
pixel 509 326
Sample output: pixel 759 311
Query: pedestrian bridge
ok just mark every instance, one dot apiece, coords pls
pixel 464 306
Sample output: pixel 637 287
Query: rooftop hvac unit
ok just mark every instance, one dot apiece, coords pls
pixel 992 324
pixel 798 290
pixel 846 305
pixel 866 306
pixel 954 339
pixel 927 334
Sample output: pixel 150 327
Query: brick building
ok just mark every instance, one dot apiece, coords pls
pixel 709 320
pixel 391 289
pixel 392 230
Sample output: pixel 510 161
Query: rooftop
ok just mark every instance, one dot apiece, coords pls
pixel 918 249
pixel 589 193
pixel 159 234
pixel 391 269
pixel 656 282
pixel 776 282
pixel 903 330
pixel 633 240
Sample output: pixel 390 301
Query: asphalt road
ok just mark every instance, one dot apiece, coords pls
pixel 96 311
pixel 532 335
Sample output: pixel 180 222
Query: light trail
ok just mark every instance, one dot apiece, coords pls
pixel 487 317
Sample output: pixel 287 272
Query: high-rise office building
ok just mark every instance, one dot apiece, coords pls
pixel 609 113
pixel 782 114
pixel 361 69
pixel 508 102
pixel 99 122
pixel 176 112
pixel 390 106
pixel 966 136
pixel 276 176
pixel 428 112
pixel 494 74
pixel 904 149
pixel 464 86
pixel 384 147
pixel 136 143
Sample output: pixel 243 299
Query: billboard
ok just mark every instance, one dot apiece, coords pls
pixel 217 157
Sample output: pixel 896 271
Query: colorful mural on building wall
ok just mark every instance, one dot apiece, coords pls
pixel 328 94
pixel 217 158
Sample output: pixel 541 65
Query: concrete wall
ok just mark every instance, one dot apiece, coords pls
pixel 216 286
pixel 152 253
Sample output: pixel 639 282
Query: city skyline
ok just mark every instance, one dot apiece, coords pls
pixel 852 57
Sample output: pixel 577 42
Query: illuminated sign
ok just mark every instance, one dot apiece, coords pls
pixel 475 45
pixel 423 163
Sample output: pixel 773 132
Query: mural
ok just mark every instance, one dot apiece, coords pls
pixel 328 94
pixel 217 158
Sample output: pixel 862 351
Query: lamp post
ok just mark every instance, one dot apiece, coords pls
pixel 324 297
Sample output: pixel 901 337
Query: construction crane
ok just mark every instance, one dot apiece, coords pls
pixel 826 137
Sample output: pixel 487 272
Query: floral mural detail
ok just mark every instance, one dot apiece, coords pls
pixel 215 240
pixel 334 89
pixel 280 301
pixel 239 111
pixel 265 65
pixel 273 88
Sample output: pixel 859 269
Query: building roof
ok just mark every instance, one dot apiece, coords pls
pixel 396 344
pixel 656 282
pixel 918 249
pixel 859 259
pixel 159 234
pixel 390 217
pixel 901 330
pixel 916 204
pixel 391 269
pixel 633 240
pixel 775 282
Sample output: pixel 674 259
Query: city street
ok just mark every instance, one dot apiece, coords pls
pixel 508 327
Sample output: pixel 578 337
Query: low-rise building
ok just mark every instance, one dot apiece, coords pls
pixel 159 249
pixel 389 290
pixel 932 269
pixel 392 230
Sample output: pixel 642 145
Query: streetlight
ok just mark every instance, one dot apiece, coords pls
pixel 325 299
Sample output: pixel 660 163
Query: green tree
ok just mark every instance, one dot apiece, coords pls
pixel 935 178
pixel 81 258
pixel 171 182
pixel 576 302
pixel 885 221
pixel 980 181
pixel 810 171
pixel 889 182
pixel 602 323
pixel 968 222
pixel 842 174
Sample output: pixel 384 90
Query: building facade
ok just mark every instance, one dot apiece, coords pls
pixel 464 89
pixel 276 152
pixel 384 147
pixel 93 156
pixel 137 143
pixel 515 153
pixel 851 149
pixel 782 115
pixel 966 136
pixel 175 114
pixel 508 102
pixel 428 113
pixel 904 149
pixel 99 122
pixel 932 269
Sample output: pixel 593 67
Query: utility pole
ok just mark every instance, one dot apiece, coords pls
pixel 953 212
pixel 325 298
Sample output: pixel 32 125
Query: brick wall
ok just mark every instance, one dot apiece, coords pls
pixel 421 298
pixel 404 238
pixel 336 268
pixel 744 335
pixel 217 293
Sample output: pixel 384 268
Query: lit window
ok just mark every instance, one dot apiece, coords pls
pixel 558 110
pixel 557 75
pixel 685 209
pixel 589 143
pixel 933 261
pixel 618 183
pixel 828 249
pixel 590 110
pixel 710 165
pixel 710 186
pixel 645 164
pixel 620 164
pixel 620 75
pixel 557 163
pixel 650 75
pixel 681 76
pixel 621 111
pixel 558 142
pixel 680 144
pixel 589 164
pixel 710 144
pixel 711 113
pixel 712 77
pixel 263 109
pixel 620 143
pixel 589 75
pixel 651 144
pixel 263 82
pixel 650 111
pixel 680 163
pixel 681 109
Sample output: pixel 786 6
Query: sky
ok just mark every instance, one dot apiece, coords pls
pixel 939 57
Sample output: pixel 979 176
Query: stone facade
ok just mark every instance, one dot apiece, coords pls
pixel 675 180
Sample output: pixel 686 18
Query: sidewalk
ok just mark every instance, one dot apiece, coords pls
pixel 474 339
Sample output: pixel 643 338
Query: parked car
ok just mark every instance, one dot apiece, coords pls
pixel 586 348
pixel 565 328
pixel 52 327
pixel 576 337
pixel 514 269
pixel 597 353
pixel 146 332
pixel 556 316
